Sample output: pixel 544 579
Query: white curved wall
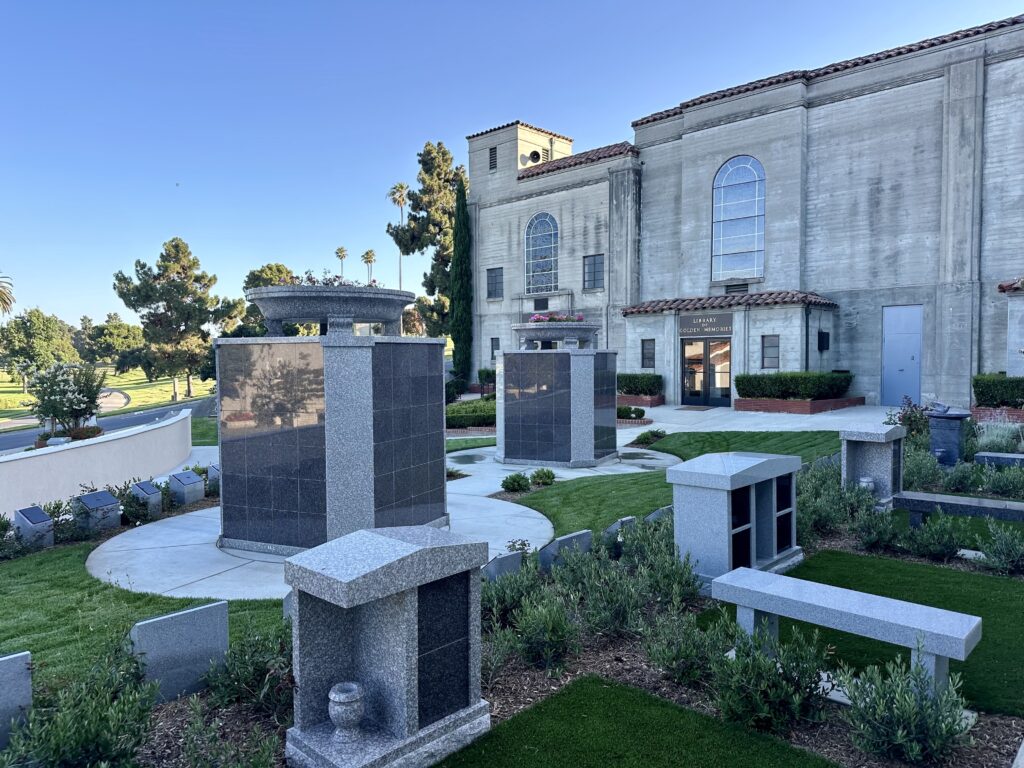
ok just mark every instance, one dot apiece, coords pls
pixel 48 474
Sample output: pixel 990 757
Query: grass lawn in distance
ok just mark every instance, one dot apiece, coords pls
pixel 66 618
pixel 462 443
pixel 993 675
pixel 593 723
pixel 204 431
pixel 807 445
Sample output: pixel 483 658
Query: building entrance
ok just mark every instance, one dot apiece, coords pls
pixel 707 371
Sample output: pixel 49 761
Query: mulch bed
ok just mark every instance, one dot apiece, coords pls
pixel 996 737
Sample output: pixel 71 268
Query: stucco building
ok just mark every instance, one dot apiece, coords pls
pixel 854 217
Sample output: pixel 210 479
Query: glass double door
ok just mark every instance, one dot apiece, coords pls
pixel 707 371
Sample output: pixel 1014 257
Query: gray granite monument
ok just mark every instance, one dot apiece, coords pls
pixel 34 527
pixel 97 511
pixel 187 488
pixel 322 436
pixel 15 691
pixel 556 407
pixel 151 497
pixel 874 457
pixel 386 651
pixel 736 510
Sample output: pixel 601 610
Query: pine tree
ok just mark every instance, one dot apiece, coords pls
pixel 461 318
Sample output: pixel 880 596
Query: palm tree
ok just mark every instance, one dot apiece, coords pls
pixel 399 195
pixel 342 253
pixel 6 295
pixel 368 258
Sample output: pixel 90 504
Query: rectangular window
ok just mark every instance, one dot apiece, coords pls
pixel 770 351
pixel 492 159
pixel 495 346
pixel 646 353
pixel 593 271
pixel 496 283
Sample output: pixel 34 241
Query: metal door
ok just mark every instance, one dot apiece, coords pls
pixel 694 370
pixel 707 371
pixel 901 353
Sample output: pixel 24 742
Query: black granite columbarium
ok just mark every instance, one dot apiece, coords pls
pixel 948 432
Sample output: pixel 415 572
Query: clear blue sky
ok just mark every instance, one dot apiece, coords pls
pixel 271 131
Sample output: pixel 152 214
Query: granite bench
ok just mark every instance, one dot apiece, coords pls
pixel 934 635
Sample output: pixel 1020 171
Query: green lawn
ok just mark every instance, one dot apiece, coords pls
pixel 807 445
pixel 144 394
pixel 597 502
pixel 204 431
pixel 66 618
pixel 993 674
pixel 595 723
pixel 462 443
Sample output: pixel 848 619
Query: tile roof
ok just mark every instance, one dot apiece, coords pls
pixel 807 75
pixel 525 125
pixel 702 303
pixel 1012 286
pixel 582 158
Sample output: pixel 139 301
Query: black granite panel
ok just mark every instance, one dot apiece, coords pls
pixel 272 441
pixel 408 433
pixel 147 487
pixel 604 404
pixel 537 406
pixel 35 515
pixel 443 644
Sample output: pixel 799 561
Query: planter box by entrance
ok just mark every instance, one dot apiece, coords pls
pixel 633 422
pixel 644 401
pixel 1014 415
pixel 804 407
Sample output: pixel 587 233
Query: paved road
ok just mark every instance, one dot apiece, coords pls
pixel 26 437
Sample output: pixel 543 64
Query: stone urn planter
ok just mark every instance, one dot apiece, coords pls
pixel 569 334
pixel 345 706
pixel 332 306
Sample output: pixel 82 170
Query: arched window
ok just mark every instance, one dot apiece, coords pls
pixel 737 238
pixel 542 254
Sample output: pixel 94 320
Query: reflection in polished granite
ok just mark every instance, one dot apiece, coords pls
pixel 604 404
pixel 537 406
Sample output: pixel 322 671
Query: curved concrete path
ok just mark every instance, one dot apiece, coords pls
pixel 179 557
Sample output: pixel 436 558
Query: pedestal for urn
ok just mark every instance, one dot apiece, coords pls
pixel 322 436
pixel 873 457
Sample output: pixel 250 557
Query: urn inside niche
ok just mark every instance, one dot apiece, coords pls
pixel 345 706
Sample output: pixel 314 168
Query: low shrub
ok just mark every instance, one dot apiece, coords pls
pixel 996 390
pixel 876 531
pixel 471 413
pixel 939 537
pixel 203 746
pixel 999 436
pixel 99 720
pixel 453 390
pixel 771 685
pixel 502 598
pixel 962 478
pixel 258 672
pixel 548 634
pixel 629 412
pixel 515 483
pixel 451 473
pixel 896 715
pixel 796 385
pixel 1003 549
pixel 650 437
pixel 676 645
pixel 912 416
pixel 824 505
pixel 497 649
pixel 921 471
pixel 650 550
pixel 542 476
pixel 649 384
pixel 486 376
pixel 1007 482
pixel 84 433
pixel 610 599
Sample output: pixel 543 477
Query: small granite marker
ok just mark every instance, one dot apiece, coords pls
pixel 15 691
pixel 34 527
pixel 97 511
pixel 151 497
pixel 187 488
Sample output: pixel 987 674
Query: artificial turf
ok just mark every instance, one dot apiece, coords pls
pixel 593 722
pixel 463 443
pixel 66 618
pixel 993 675
pixel 807 445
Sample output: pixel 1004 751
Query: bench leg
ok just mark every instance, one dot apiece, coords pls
pixel 936 666
pixel 751 619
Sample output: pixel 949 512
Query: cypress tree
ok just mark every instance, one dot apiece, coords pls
pixel 461 319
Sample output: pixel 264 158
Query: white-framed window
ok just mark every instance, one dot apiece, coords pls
pixel 737 221
pixel 542 254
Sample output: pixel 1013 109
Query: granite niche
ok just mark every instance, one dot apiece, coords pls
pixel 323 436
pixel 386 649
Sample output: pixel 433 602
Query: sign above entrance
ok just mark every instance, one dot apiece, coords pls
pixel 706 324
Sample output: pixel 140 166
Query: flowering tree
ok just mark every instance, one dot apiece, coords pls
pixel 66 394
